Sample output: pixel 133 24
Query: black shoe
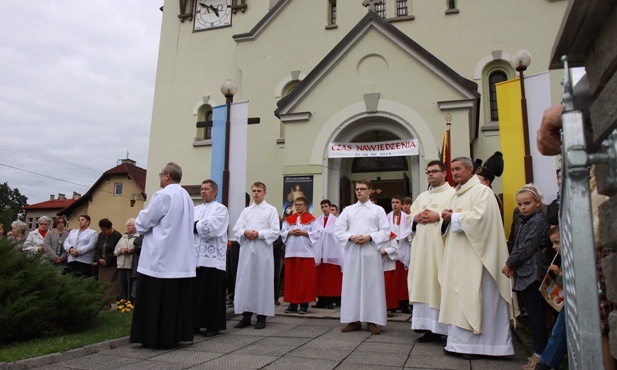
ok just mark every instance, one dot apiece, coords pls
pixel 242 324
pixel 261 322
pixel 292 308
pixel 450 353
pixel 330 305
pixel 196 330
pixel 212 333
pixel 303 311
pixel 470 356
pixel 429 337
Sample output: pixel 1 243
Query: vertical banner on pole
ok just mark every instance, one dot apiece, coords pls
pixel 237 161
pixel 512 144
pixel 538 93
pixel 217 160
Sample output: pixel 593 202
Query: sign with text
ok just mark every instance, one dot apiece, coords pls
pixel 394 148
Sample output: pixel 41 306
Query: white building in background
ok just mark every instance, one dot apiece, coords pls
pixel 321 71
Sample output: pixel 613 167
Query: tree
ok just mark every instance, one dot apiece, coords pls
pixel 12 205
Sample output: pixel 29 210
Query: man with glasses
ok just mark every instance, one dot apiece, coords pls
pixel 164 305
pixel 427 250
pixel 299 234
pixel 363 228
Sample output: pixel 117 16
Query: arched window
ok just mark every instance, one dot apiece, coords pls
pixel 494 72
pixel 289 87
pixel 494 78
pixel 204 123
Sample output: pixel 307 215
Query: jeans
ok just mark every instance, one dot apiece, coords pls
pixel 557 344
pixel 533 303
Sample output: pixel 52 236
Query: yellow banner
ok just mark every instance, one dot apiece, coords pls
pixel 512 145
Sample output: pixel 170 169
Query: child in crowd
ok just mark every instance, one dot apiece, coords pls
pixel 556 347
pixel 528 263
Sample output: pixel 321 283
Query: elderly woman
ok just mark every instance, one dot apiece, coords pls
pixel 124 252
pixel 35 240
pixel 54 240
pixel 18 234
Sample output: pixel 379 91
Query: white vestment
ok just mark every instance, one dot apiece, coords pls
pixel 167 251
pixel 475 295
pixel 211 222
pixel 328 249
pixel 254 282
pixel 402 228
pixel 426 261
pixel 363 295
pixel 299 246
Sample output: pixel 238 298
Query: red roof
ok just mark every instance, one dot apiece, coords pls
pixel 51 204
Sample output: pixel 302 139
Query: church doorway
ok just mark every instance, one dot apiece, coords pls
pixel 389 175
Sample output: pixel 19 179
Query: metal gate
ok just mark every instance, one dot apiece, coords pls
pixel 577 242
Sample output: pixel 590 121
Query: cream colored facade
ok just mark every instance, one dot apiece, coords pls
pixel 104 204
pixel 360 79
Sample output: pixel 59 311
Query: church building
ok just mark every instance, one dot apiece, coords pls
pixel 318 72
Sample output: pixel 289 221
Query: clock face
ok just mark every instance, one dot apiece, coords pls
pixel 211 14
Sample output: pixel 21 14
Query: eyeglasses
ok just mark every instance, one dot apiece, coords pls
pixel 432 172
pixel 162 173
pixel 361 189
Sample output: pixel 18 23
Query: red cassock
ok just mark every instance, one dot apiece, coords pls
pixel 329 280
pixel 299 280
pixel 401 278
pixel 390 279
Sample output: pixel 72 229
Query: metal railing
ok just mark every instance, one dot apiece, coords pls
pixel 577 242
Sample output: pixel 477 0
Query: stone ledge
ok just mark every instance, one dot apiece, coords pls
pixel 52 358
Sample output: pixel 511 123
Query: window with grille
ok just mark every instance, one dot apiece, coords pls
pixel 494 78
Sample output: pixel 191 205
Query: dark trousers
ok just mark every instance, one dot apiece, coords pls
pixel 535 312
pixel 278 267
pixel 80 269
pixel 233 254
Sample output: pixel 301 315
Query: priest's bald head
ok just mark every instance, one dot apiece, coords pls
pixel 462 170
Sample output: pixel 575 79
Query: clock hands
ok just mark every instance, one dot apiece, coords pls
pixel 215 10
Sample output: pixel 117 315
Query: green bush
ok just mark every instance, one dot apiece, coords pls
pixel 37 300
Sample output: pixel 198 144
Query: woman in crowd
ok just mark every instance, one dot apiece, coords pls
pixel 54 241
pixel 35 240
pixel 104 257
pixel 124 253
pixel 1 231
pixel 18 234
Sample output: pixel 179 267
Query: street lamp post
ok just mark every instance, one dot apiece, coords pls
pixel 520 60
pixel 229 89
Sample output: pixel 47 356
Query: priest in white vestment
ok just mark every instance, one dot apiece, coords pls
pixel 475 295
pixel 363 228
pixel 210 228
pixel 427 248
pixel 163 313
pixel 256 229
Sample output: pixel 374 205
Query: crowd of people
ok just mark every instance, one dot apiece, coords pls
pixel 445 254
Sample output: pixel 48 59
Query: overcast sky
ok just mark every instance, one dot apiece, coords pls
pixel 76 89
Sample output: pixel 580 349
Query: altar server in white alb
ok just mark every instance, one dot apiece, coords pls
pixel 328 258
pixel 363 228
pixel 397 295
pixel 210 228
pixel 163 313
pixel 256 229
pixel 427 250
pixel 475 295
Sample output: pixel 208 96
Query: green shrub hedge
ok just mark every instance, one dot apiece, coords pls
pixel 37 300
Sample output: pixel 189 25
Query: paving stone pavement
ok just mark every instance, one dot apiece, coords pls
pixel 289 341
